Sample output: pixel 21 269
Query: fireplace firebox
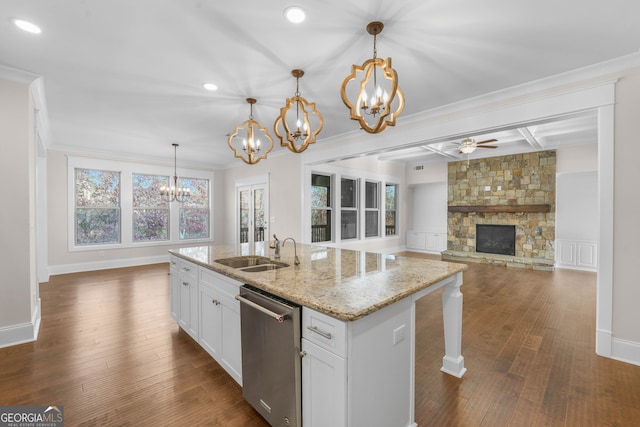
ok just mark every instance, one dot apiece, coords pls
pixel 496 239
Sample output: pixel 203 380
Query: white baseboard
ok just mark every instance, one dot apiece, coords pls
pixel 103 265
pixel 21 333
pixel 625 351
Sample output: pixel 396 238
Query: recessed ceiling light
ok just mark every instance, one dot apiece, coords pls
pixel 27 26
pixel 295 14
pixel 209 86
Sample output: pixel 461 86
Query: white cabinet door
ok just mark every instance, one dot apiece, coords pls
pixel 416 240
pixel 220 330
pixel 210 320
pixel 231 358
pixel 188 283
pixel 324 387
pixel 174 289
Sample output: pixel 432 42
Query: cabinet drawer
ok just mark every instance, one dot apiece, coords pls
pixel 188 270
pixel 221 282
pixel 325 331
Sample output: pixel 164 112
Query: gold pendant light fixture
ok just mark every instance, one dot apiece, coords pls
pixel 297 128
pixel 378 99
pixel 250 139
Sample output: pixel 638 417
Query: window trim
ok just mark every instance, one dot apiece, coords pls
pixel 397 191
pixel 127 169
pixel 338 172
pixel 376 209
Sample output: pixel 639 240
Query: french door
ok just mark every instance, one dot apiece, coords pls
pixel 253 214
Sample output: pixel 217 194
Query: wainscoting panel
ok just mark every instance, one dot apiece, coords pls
pixel 577 255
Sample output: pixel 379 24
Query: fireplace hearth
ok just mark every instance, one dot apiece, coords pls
pixel 496 239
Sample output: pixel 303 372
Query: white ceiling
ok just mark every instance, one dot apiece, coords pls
pixel 124 76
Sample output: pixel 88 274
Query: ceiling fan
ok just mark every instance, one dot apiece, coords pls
pixel 469 145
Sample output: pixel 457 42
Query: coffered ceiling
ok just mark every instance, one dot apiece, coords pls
pixel 125 77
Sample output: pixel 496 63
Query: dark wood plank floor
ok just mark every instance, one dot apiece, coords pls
pixel 109 352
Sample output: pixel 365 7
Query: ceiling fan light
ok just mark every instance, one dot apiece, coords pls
pixel 467 149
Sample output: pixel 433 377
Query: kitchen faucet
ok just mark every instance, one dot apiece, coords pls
pixel 275 245
pixel 296 261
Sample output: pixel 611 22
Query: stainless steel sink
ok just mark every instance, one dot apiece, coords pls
pixel 273 265
pixel 251 263
pixel 243 261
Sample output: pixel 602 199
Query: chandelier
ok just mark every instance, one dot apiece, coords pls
pixel 245 139
pixel 374 107
pixel 297 131
pixel 174 193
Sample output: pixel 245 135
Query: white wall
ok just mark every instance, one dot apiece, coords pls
pixel 285 196
pixel 577 206
pixel 626 247
pixel 18 303
pixel 430 207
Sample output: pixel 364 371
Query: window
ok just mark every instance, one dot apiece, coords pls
pixel 150 213
pixel 117 204
pixel 194 213
pixel 390 209
pixel 372 209
pixel 321 215
pixel 96 207
pixel 349 208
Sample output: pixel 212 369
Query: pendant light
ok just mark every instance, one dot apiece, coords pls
pixel 295 127
pixel 250 139
pixel 378 99
pixel 174 193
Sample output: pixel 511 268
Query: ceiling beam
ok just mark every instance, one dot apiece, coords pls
pixel 440 152
pixel 528 136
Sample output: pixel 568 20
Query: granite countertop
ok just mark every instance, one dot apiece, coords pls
pixel 341 283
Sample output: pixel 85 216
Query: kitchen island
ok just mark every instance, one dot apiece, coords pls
pixel 358 323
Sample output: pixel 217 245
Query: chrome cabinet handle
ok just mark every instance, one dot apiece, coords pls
pixel 186 269
pixel 215 301
pixel 185 283
pixel 327 335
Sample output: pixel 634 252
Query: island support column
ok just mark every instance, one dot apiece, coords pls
pixel 453 362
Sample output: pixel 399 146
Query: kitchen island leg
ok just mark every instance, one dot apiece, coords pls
pixel 453 362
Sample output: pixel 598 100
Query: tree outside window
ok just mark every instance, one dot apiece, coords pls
pixel 150 213
pixel 320 208
pixel 391 208
pixel 194 213
pixel 97 207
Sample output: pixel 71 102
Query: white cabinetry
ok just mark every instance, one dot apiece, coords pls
pixel 324 370
pixel 426 241
pixel 220 321
pixel 358 373
pixel 204 305
pixel 188 283
pixel 174 288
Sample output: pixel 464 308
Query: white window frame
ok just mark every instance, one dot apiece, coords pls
pixel 331 209
pixel 338 172
pixel 377 209
pixel 355 209
pixel 384 203
pixel 127 169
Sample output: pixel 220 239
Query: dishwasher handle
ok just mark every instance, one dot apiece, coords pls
pixel 278 317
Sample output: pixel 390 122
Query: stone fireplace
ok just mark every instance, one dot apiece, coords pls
pixel 516 191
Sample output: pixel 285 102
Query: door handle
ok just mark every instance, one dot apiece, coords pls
pixel 278 317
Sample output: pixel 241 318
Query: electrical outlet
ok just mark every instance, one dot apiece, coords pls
pixel 399 334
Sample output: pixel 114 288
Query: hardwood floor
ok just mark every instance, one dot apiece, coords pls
pixel 109 352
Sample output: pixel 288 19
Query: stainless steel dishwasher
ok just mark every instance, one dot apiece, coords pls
pixel 271 366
